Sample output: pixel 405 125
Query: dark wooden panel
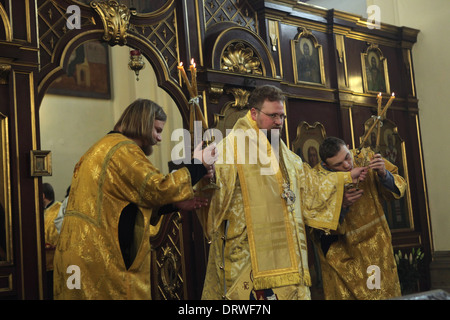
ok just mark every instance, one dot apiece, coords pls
pixel 313 111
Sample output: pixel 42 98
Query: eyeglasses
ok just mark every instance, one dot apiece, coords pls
pixel 274 116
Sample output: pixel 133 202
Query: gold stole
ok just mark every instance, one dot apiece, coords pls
pixel 272 246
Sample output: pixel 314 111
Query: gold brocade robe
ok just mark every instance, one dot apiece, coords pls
pixel 256 242
pixel 51 234
pixel 111 174
pixel 364 240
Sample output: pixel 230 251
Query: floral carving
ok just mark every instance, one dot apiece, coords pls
pixel 240 59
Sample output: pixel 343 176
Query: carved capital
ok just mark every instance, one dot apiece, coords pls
pixel 116 20
pixel 240 97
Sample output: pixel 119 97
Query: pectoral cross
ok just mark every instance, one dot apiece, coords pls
pixel 289 196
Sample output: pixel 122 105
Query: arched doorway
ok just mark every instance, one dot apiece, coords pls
pixel 173 245
pixel 70 124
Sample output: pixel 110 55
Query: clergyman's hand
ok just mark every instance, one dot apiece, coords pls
pixel 377 165
pixel 192 204
pixel 208 156
pixel 359 174
pixel 350 197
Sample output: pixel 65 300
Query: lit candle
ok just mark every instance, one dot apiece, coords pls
pixel 194 77
pixel 391 99
pixel 185 78
pixel 379 99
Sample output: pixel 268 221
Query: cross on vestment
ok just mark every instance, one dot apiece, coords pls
pixel 289 196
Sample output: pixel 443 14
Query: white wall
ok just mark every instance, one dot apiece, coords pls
pixel 432 77
pixel 70 125
pixel 358 7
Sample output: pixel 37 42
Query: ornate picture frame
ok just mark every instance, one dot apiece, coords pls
pixel 375 71
pixel 307 59
pixel 87 74
pixel 307 142
pixel 40 163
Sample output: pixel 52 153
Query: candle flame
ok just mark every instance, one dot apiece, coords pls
pixel 379 94
pixel 181 63
pixel 393 94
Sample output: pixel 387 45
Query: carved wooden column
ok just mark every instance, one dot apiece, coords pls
pixel 22 271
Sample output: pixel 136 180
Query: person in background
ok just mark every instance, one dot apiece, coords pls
pixel 62 210
pixel 51 209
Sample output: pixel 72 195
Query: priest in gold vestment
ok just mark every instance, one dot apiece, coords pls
pixel 256 220
pixel 103 250
pixel 362 241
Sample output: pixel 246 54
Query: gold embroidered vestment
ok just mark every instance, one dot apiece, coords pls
pixel 51 234
pixel 364 239
pixel 251 229
pixel 112 174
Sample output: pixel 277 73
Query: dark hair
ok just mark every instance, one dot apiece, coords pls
pixel 330 147
pixel 137 120
pixel 48 191
pixel 263 93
